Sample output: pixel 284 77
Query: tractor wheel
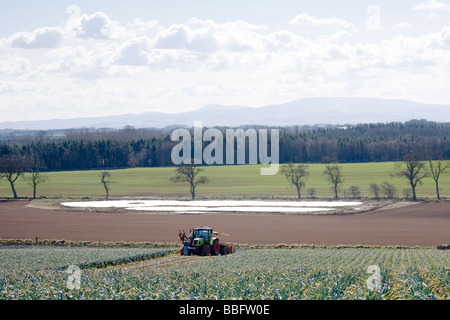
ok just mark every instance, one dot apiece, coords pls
pixel 215 248
pixel 223 250
pixel 206 250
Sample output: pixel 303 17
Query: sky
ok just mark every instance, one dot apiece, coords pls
pixel 69 59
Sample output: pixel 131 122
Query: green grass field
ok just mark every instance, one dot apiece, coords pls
pixel 225 181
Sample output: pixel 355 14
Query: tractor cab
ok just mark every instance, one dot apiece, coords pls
pixel 202 236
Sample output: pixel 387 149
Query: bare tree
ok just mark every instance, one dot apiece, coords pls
pixel 34 179
pixel 388 190
pixel 106 180
pixel 189 174
pixel 334 174
pixel 11 168
pixel 414 171
pixel 312 193
pixel 35 165
pixel 355 191
pixel 407 193
pixel 296 175
pixel 375 189
pixel 436 169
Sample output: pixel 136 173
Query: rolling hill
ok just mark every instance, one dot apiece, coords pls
pixel 301 112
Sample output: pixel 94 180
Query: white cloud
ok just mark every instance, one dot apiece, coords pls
pixel 139 27
pixel 79 62
pixel 98 26
pixel 432 8
pixel 283 40
pixel 147 65
pixel 184 37
pixel 431 5
pixel 14 65
pixel 442 39
pixel 403 25
pixel 336 53
pixel 304 19
pixel 233 35
pixel 42 38
pixel 133 53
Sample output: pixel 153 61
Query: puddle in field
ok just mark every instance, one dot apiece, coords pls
pixel 212 206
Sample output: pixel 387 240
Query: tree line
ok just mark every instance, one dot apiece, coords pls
pixel 410 169
pixel 129 147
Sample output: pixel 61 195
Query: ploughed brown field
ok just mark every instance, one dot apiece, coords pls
pixel 424 224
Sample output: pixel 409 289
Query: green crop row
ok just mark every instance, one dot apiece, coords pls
pixel 46 257
pixel 253 274
pixel 224 284
pixel 343 258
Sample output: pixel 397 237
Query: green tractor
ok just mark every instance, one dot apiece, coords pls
pixel 203 241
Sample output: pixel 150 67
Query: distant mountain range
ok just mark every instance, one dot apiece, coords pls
pixel 301 112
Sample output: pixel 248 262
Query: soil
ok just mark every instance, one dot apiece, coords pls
pixel 425 224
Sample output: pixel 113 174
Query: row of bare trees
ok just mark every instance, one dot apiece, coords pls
pixel 297 175
pixel 414 171
pixel 13 167
pixel 183 174
pixel 411 169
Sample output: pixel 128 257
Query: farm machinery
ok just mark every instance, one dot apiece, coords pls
pixel 204 241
